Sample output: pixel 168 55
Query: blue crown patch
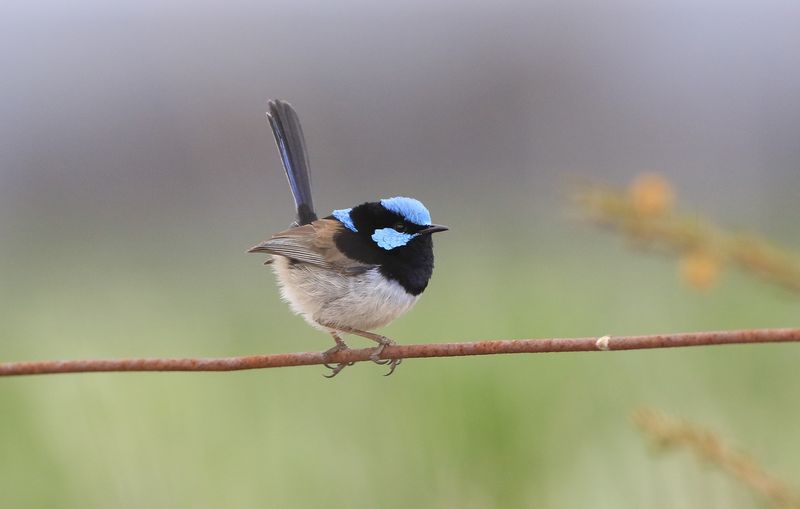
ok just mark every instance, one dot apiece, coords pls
pixel 412 210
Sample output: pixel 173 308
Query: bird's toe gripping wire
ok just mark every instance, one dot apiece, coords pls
pixel 338 347
pixel 375 356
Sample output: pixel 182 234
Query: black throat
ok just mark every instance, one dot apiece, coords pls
pixel 410 265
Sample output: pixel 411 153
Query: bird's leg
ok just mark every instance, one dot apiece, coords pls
pixel 382 341
pixel 338 347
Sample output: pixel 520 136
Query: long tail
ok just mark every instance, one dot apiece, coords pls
pixel 292 146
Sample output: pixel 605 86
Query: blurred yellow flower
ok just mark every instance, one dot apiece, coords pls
pixel 644 213
pixel 651 194
pixel 700 269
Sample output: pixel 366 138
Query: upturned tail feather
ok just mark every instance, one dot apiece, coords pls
pixel 292 147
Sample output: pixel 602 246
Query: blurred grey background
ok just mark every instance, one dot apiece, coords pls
pixel 149 111
pixel 137 166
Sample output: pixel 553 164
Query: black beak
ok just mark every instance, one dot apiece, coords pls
pixel 433 229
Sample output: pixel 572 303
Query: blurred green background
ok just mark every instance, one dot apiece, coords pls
pixel 136 167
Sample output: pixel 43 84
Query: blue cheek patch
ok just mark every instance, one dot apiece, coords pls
pixel 343 215
pixel 389 238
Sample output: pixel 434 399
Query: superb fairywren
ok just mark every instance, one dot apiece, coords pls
pixel 355 270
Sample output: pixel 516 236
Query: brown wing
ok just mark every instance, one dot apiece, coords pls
pixel 312 243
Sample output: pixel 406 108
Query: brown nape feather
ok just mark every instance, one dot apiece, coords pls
pixel 313 244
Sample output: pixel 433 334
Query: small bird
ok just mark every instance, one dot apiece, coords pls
pixel 355 270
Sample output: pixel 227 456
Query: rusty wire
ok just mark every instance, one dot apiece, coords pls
pixel 589 344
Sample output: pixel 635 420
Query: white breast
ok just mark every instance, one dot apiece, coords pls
pixel 366 301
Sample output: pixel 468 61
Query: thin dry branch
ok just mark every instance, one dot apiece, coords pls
pixel 592 344
pixel 670 432
pixel 644 213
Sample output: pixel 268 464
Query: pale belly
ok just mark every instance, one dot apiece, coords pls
pixel 327 299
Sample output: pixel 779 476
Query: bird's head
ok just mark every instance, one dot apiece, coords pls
pixel 391 223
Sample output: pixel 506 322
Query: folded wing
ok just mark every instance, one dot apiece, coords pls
pixel 312 244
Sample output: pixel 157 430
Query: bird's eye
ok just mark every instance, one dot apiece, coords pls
pixel 400 227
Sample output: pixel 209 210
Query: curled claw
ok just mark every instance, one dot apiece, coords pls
pixel 393 363
pixel 335 370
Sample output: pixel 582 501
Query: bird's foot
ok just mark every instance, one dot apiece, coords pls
pixel 375 356
pixel 340 346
